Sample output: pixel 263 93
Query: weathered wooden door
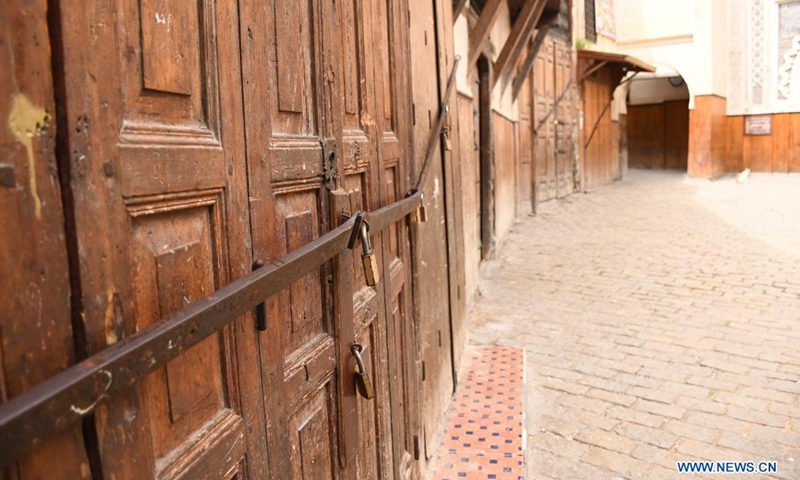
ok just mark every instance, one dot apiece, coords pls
pixel 203 138
pixel 525 178
pixel 564 116
pixel 289 66
pixel 545 171
pixel 360 166
pixel 376 171
pixel 390 26
pixel 325 119
pixel 554 119
pixel 152 125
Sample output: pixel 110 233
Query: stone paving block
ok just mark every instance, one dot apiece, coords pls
pixel 662 409
pixel 645 435
pixel 624 465
pixel 607 440
pixel 690 430
pixel 759 417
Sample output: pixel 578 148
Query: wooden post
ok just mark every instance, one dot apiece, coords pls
pixel 486 158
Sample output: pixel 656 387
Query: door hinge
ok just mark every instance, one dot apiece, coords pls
pixel 423 370
pixel 416 447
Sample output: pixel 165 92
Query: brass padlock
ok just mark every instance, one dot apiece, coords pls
pixel 363 382
pixel 368 259
pixel 448 145
pixel 422 212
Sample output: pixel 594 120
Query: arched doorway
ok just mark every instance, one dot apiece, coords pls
pixel 658 121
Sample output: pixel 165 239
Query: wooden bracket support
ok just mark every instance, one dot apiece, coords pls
pixel 480 34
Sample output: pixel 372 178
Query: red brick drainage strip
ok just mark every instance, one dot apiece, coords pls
pixel 484 430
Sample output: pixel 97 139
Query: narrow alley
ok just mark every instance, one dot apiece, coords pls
pixel 399 240
pixel 658 317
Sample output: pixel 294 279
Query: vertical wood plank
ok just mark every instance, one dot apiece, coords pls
pixel 794 142
pixel 36 335
pixel 735 144
pixel 676 134
pixel 782 142
pixel 345 335
pixel 758 151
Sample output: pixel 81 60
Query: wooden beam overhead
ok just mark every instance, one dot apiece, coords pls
pixel 520 32
pixel 480 34
pixel 458 9
pixel 538 40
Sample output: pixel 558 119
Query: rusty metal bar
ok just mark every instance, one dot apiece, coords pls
pixel 382 218
pixel 433 140
pixel 62 400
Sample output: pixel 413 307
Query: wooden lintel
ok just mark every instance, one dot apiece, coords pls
pixel 458 9
pixel 538 41
pixel 520 32
pixel 480 34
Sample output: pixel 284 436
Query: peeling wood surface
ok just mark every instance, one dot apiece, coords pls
pixel 36 337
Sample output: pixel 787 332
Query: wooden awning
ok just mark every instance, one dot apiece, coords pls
pixel 596 60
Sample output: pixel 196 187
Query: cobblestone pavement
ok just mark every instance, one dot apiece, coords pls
pixel 660 319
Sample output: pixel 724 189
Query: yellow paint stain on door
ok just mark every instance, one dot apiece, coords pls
pixel 25 120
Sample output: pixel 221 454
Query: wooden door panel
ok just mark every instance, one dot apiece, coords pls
pixel 389 38
pixel 153 116
pixel 375 427
pixel 295 51
pixel 176 263
pixel 171 125
pixel 549 128
pixel 172 163
pixel 310 430
pixel 289 203
pixel 564 115
pixel 297 223
pixel 357 90
pixel 553 143
pixel 541 95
